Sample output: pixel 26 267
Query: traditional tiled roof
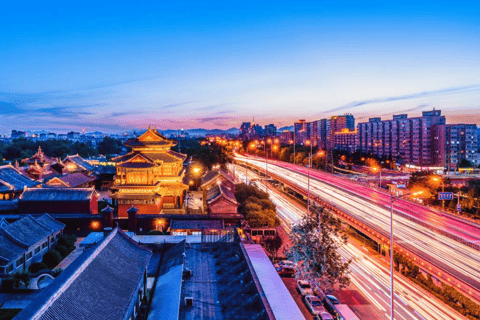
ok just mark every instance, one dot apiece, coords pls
pixel 216 174
pixel 169 156
pixel 10 249
pixel 137 165
pixel 178 155
pixel 50 223
pixel 29 230
pixel 76 179
pixel 79 161
pixel 196 224
pixel 12 180
pixel 100 284
pixel 218 191
pixel 57 194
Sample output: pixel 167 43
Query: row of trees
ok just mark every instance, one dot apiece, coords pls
pixel 431 185
pixel 256 206
pixel 445 293
pixel 22 148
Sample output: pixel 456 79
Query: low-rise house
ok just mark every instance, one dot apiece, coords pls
pixel 221 200
pixel 215 177
pixel 58 200
pixel 26 240
pixel 107 281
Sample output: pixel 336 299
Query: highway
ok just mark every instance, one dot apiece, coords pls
pixel 367 273
pixel 370 207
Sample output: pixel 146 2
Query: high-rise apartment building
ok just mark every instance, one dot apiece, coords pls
pixel 418 141
pixel 301 131
pixel 270 130
pixel 286 137
pixel 461 143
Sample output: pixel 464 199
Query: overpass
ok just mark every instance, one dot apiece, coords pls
pixel 443 246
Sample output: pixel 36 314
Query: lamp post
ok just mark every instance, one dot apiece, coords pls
pixel 196 171
pixel 380 176
pixel 308 174
pixel 392 295
pixel 443 190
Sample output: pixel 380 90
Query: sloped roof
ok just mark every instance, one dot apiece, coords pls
pixel 75 179
pixel 218 191
pixel 29 231
pixel 215 174
pixel 80 162
pixel 57 194
pixel 12 179
pixel 10 249
pixel 196 224
pixel 149 138
pixel 169 156
pixel 100 284
pixel 50 223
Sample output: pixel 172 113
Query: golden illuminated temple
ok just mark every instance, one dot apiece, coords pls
pixel 150 176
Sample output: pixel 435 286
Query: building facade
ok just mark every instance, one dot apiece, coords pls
pixel 416 141
pixel 461 143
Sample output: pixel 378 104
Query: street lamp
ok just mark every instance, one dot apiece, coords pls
pixel 392 199
pixel 380 177
pixel 443 190
pixel 308 142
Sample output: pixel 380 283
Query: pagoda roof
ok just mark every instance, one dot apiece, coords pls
pixel 150 138
pixel 39 157
pixel 216 174
pixel 12 180
pixel 100 284
pixel 167 157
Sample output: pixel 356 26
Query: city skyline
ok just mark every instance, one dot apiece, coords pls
pixel 211 65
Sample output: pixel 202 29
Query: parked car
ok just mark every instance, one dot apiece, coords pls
pixel 285 263
pixel 285 271
pixel 323 316
pixel 333 299
pixel 304 288
pixel 314 304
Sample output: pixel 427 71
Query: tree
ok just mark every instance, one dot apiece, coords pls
pixel 37 266
pixel 273 244
pixel 256 206
pixel 52 258
pixel 315 248
pixel 109 146
pixel 464 163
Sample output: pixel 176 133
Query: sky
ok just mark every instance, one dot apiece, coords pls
pixel 118 66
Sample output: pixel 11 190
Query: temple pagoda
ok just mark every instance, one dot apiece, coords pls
pixel 150 176
pixel 39 158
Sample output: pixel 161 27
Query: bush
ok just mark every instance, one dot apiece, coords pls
pixel 52 258
pixel 7 285
pixel 68 240
pixel 64 251
pixel 37 266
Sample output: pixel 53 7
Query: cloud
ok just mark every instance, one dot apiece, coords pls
pixel 453 90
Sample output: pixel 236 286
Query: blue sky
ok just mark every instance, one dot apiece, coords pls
pixel 188 64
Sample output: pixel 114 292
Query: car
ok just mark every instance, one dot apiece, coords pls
pixel 304 288
pixel 285 263
pixel 285 271
pixel 333 299
pixel 314 304
pixel 323 316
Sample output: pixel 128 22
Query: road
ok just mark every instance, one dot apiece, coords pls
pixel 369 275
pixel 369 206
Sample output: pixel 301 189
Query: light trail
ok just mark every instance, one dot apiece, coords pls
pixel 369 275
